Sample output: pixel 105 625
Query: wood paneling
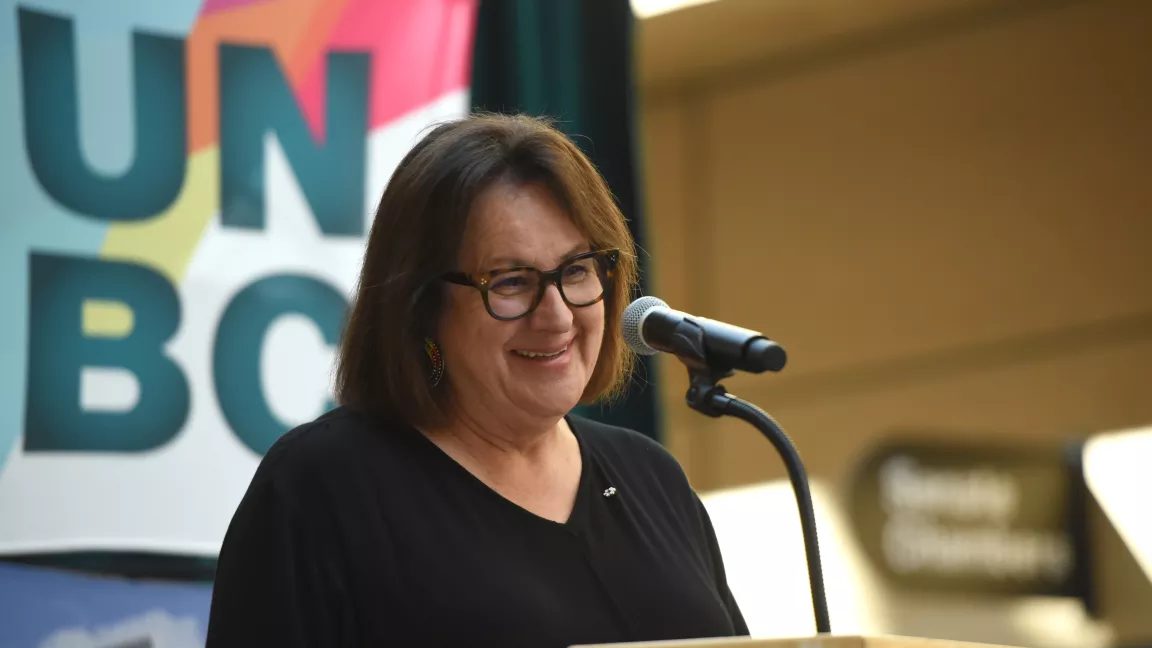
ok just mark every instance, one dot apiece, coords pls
pixel 953 232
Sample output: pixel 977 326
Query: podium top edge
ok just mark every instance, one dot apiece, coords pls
pixel 815 641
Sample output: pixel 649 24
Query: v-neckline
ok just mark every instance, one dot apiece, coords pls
pixel 575 516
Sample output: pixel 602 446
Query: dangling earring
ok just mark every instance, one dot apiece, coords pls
pixel 435 359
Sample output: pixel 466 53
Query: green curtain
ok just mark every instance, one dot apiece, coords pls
pixel 572 60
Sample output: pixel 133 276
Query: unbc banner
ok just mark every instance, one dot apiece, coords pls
pixel 186 190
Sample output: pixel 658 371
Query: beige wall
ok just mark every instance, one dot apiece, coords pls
pixel 951 232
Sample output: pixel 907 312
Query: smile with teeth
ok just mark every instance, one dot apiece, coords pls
pixel 535 354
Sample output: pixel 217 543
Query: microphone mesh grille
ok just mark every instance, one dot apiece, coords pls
pixel 631 320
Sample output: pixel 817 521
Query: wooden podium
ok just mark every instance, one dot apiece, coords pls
pixel 818 641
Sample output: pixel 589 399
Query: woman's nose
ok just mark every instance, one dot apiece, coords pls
pixel 553 311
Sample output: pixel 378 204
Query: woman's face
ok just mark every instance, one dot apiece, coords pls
pixel 489 362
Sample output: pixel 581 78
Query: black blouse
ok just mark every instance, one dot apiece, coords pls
pixel 358 533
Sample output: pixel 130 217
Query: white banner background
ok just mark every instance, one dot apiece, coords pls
pixel 179 495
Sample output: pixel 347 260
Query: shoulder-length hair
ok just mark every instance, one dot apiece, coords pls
pixel 416 237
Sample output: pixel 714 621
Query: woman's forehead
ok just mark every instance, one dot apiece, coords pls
pixel 520 226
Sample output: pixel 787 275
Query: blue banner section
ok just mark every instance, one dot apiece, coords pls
pixel 48 608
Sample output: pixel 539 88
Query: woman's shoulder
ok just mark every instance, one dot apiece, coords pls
pixel 340 431
pixel 331 447
pixel 630 450
pixel 621 439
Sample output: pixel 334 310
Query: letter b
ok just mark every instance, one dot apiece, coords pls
pixel 58 350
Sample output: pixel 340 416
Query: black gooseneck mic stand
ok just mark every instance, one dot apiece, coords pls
pixel 708 397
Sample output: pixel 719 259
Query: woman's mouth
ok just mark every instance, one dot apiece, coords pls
pixel 541 355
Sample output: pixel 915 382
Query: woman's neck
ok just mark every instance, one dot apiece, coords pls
pixel 496 441
pixel 537 467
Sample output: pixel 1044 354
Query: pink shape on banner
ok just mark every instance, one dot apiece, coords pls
pixel 212 6
pixel 421 50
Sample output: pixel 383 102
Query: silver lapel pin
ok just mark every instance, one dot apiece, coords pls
pixel 610 491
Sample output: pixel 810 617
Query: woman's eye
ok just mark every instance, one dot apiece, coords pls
pixel 510 283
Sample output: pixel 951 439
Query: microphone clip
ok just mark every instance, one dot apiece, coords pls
pixel 705 394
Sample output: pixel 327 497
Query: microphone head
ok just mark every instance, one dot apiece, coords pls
pixel 632 321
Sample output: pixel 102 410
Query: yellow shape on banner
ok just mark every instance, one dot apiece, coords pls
pixel 107 319
pixel 166 243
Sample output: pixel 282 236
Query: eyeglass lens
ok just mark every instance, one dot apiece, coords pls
pixel 510 294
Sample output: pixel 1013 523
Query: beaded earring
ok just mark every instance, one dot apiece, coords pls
pixel 435 359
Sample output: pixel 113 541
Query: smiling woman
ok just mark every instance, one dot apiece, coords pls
pixel 452 499
pixel 473 197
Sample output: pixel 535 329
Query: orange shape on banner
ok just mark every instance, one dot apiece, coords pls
pixel 294 30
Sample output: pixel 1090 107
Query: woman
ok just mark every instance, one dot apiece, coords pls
pixel 451 500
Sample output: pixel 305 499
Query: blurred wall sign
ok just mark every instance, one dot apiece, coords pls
pixel 187 189
pixel 966 518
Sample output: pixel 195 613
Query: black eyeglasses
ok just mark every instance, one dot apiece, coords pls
pixel 512 293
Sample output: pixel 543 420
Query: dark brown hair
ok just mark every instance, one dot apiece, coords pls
pixel 417 235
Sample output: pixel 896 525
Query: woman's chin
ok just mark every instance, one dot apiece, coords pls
pixel 548 400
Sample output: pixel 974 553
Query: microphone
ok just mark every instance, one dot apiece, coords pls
pixel 712 351
pixel 650 326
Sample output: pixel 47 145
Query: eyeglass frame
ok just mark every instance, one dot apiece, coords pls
pixel 481 280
